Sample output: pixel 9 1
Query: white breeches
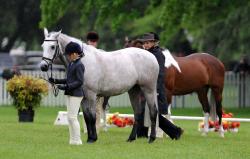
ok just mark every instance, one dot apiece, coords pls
pixel 73 105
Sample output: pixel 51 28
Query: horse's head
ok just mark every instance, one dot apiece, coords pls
pixel 50 49
pixel 133 43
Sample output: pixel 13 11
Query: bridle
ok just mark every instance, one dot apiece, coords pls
pixel 56 54
pixel 49 63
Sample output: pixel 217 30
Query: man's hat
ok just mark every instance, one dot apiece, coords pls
pixel 151 36
pixel 73 47
pixel 92 36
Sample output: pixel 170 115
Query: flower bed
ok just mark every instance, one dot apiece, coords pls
pixel 120 121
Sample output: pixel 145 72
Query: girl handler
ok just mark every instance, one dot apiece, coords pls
pixel 73 87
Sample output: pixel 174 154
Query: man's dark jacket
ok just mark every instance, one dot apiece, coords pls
pixel 157 52
pixel 162 101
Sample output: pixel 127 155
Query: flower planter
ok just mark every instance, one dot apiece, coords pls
pixel 26 115
pixel 27 93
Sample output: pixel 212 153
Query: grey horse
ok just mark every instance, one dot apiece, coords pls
pixel 131 70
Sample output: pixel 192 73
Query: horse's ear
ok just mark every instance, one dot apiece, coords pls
pixel 45 30
pixel 58 33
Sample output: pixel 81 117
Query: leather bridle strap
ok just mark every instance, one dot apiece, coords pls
pixel 49 62
pixel 56 54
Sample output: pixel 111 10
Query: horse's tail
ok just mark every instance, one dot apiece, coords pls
pixel 212 104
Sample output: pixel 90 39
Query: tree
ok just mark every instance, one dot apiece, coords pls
pixel 218 27
pixel 19 23
pixel 96 15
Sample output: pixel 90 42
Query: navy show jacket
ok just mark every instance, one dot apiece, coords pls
pixel 74 79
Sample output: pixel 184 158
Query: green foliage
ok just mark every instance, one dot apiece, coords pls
pixel 19 24
pixel 26 91
pixel 218 27
pixel 52 11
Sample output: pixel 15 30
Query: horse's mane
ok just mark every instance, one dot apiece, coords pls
pixel 81 43
pixel 169 60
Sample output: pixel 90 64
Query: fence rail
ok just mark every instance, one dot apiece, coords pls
pixel 236 93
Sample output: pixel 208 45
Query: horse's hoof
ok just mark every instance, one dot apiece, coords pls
pixel 90 141
pixel 221 132
pixel 151 140
pixel 221 135
pixel 204 134
pixel 130 140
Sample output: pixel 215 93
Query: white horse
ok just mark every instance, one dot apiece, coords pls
pixel 129 70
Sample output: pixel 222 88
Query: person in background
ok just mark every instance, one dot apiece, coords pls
pixel 243 66
pixel 73 87
pixel 151 43
pixel 9 73
pixel 92 39
pixel 243 70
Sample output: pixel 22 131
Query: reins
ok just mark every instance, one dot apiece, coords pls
pixel 49 62
pixel 53 85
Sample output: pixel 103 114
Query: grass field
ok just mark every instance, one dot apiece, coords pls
pixel 43 140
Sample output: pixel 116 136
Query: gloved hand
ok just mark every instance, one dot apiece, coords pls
pixel 62 86
pixel 51 80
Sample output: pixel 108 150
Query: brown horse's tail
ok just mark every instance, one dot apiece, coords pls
pixel 213 114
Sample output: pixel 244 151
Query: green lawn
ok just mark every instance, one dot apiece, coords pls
pixel 43 140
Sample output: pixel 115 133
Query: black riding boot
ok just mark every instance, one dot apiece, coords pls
pixel 173 131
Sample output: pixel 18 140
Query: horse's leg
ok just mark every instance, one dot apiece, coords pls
pixel 170 77
pixel 169 100
pixel 99 113
pixel 134 95
pixel 217 92
pixel 202 95
pixel 151 98
pixel 89 111
pixel 142 130
pixel 104 107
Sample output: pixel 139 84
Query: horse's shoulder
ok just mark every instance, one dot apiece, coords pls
pixel 171 70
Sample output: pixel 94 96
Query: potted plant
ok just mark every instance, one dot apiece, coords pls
pixel 26 92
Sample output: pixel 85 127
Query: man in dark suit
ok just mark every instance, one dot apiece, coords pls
pixel 73 87
pixel 150 42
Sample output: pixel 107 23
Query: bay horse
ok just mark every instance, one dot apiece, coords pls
pixel 109 74
pixel 198 73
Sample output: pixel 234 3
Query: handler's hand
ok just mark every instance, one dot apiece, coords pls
pixel 62 86
pixel 51 80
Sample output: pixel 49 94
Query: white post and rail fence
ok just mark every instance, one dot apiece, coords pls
pixel 236 93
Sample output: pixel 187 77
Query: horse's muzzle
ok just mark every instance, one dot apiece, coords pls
pixel 44 66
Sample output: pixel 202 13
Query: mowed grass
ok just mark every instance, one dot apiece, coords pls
pixel 43 140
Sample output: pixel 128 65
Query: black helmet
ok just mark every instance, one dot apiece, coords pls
pixel 73 47
pixel 92 36
pixel 151 36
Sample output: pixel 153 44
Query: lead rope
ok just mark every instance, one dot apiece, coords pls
pixel 54 87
